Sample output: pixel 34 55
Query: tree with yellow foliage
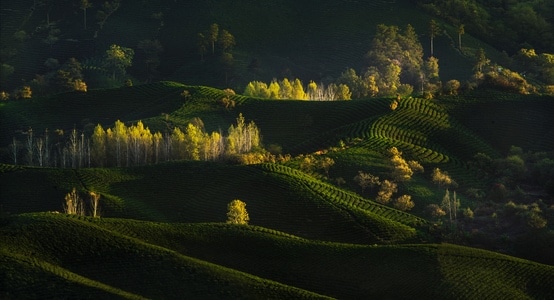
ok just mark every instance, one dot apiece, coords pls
pixel 401 169
pixel 404 203
pixel 237 213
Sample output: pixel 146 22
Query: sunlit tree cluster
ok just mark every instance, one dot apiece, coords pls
pixel 295 90
pixel 135 144
pixel 75 205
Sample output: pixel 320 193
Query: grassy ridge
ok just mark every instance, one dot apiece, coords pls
pixel 277 197
pixel 187 260
pixel 116 260
pixel 505 119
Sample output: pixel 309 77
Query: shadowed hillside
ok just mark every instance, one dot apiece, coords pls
pixel 420 187
pixel 180 259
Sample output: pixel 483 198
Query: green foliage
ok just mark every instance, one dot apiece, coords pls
pixel 507 25
pixel 118 59
pixel 394 53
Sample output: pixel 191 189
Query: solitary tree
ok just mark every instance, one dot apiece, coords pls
pixel 74 204
pixel 481 60
pixel 226 40
pixel 366 180
pixel 237 213
pixel 434 31
pixel 202 45
pixel 213 34
pixel 385 193
pixel 404 203
pixel 119 58
pixel 447 204
pixel 440 178
pixel 84 5
pixel 401 169
pixel 461 30
pixel 325 163
pixel 94 202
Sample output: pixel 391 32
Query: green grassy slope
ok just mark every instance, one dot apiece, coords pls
pixel 89 256
pixel 77 110
pixel 177 260
pixel 443 133
pixel 505 119
pixel 277 197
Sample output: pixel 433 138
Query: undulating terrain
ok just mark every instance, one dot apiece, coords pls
pixel 162 228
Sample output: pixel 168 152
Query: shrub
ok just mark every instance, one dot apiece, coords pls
pixel 452 86
pixel 435 211
pixel 385 193
pixel 404 203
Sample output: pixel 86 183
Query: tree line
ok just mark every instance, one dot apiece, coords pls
pixel 294 90
pixel 505 24
pixel 134 145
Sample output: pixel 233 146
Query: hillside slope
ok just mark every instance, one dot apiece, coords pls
pixel 277 197
pixel 172 260
pixel 312 40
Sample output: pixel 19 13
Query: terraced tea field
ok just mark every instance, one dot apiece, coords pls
pixel 199 192
pixel 171 216
pixel 186 259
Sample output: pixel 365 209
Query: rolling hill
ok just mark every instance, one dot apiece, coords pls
pixel 162 231
pixel 112 257
pixel 170 215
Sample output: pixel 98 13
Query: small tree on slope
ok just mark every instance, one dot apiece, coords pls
pixel 237 213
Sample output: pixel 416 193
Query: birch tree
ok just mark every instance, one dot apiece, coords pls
pixel 213 34
pixel 157 140
pixel 30 147
pixel 193 139
pixel 178 143
pixel 446 205
pixel 73 147
pixel 14 149
pixel 286 91
pixel 40 151
pixel 99 146
pixel 434 31
pixel 84 5
pixel 298 90
pixel 95 204
pixel 117 140
pixel 461 31
pixel 73 204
